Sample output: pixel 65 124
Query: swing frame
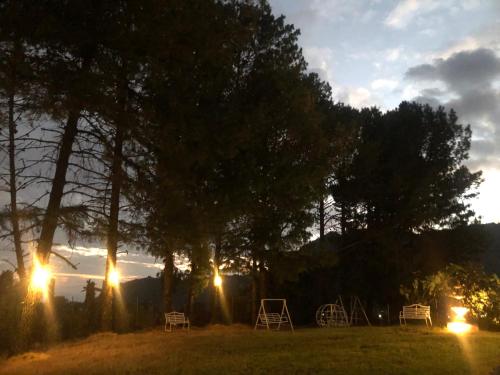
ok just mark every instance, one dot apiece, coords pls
pixel 270 320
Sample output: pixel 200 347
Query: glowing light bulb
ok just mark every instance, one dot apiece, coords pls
pixel 217 281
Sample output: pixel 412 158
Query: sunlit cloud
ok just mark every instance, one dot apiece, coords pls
pixel 408 11
pixel 82 250
pixel 86 276
pixel 402 14
pixel 384 84
pixel 392 54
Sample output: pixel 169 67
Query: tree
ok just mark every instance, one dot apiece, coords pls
pixel 65 44
pixel 405 175
pixel 14 77
pixel 282 163
pixel 418 179
pixel 185 92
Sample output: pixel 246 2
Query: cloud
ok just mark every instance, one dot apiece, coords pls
pixel 422 99
pixel 358 97
pixel 462 71
pixel 407 11
pixel 470 81
pixel 384 84
pixel 320 61
pixel 311 15
pixel 468 44
pixel 393 54
pixel 341 10
pixel 401 15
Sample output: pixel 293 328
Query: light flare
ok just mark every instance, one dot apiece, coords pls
pixel 458 325
pixel 114 277
pixel 460 312
pixel 40 276
pixel 459 328
pixel 217 281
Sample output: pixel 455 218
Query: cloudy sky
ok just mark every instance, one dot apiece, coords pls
pixel 441 52
pixel 377 53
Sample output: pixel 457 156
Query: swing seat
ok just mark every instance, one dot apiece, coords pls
pixel 272 318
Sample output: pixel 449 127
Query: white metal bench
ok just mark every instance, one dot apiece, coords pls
pixel 174 318
pixel 416 311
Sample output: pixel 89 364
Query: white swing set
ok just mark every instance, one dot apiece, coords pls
pixel 273 320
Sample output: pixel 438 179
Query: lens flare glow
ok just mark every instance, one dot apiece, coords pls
pixel 114 278
pixel 40 276
pixel 217 281
pixel 460 312
pixel 459 326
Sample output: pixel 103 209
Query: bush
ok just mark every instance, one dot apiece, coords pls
pixel 469 284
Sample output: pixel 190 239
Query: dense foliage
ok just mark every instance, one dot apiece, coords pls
pixel 460 285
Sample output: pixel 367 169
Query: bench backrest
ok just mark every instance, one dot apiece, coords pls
pixel 175 317
pixel 417 310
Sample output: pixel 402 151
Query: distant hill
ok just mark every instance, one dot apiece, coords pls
pixel 148 291
pixel 146 294
pixel 491 258
pixel 438 246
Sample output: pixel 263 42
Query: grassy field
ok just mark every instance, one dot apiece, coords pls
pixel 240 350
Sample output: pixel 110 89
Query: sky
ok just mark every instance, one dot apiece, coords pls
pixel 374 53
pixel 440 52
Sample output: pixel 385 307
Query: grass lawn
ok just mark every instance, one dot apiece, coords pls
pixel 240 350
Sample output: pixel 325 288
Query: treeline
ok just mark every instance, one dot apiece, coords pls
pixel 193 128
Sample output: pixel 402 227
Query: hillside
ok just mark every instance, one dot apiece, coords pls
pixel 491 257
pixel 438 248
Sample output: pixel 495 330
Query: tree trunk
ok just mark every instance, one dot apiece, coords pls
pixel 168 281
pixel 14 216
pixel 321 219
pixel 191 289
pixel 262 280
pixel 112 235
pixel 49 223
pixel 255 289
pixel 215 308
pixel 343 218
